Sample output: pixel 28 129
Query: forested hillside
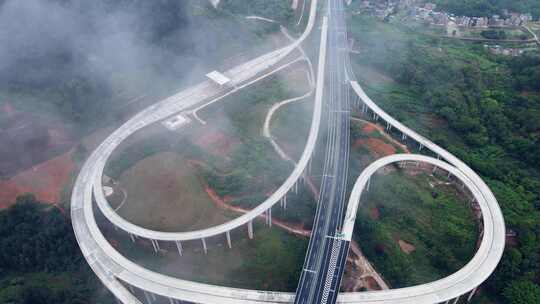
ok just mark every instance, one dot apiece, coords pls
pixel 40 261
pixel 483 108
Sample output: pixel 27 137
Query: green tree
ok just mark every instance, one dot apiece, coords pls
pixel 522 292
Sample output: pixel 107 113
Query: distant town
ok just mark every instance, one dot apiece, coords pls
pixel 427 12
pixel 491 28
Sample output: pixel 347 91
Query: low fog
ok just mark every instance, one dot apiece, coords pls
pixel 107 48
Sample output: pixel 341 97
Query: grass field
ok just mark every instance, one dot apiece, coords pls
pixel 164 192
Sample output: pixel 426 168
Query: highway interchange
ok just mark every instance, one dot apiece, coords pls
pixel 323 268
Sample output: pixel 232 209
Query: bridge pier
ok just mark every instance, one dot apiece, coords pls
pixel 403 136
pixel 205 249
pixel 179 247
pixel 456 300
pixel 269 217
pixel 420 147
pixel 147 297
pixel 132 238
pixel 471 294
pixel 250 229
pixel 368 184
pixel 154 246
pixel 434 169
pixel 229 243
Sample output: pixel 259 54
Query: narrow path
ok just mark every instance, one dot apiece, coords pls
pixel 528 29
pixel 365 266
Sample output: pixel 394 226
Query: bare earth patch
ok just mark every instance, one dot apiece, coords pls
pixel 374 213
pixel 214 141
pixel 45 181
pixel 406 247
pixel 376 146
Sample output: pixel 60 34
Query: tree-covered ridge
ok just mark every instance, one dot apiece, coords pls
pixel 485 109
pixel 40 261
pixel 479 8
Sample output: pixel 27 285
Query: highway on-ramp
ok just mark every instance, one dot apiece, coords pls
pixel 329 244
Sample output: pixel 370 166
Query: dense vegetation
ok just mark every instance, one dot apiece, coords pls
pixel 493 34
pixel 270 251
pixel 483 108
pixel 489 7
pixel 277 10
pixel 40 262
pixel 435 221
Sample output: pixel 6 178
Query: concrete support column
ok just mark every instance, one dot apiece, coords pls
pixel 403 136
pixel 205 249
pixel 471 294
pixel 250 229
pixel 420 147
pixel 132 237
pixel 154 245
pixel 229 243
pixel 153 296
pixel 270 217
pixel 448 176
pixel 296 188
pixel 179 247
pixel 285 202
pixel 368 184
pixel 456 300
pixel 417 164
pixel 157 245
pixel 434 169
pixel 147 297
